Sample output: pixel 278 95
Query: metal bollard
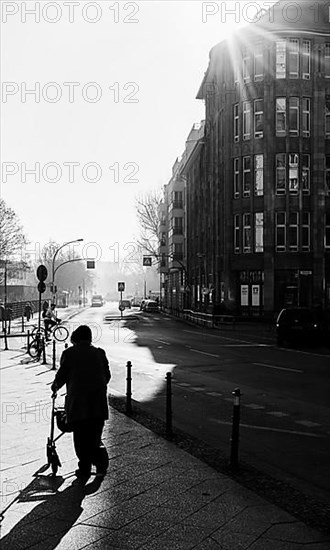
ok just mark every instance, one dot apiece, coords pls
pixel 5 337
pixel 28 340
pixel 44 358
pixel 22 323
pixel 129 388
pixel 54 355
pixel 169 431
pixel 235 428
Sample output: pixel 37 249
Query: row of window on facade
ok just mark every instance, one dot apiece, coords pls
pixel 292 173
pixel 292 232
pixel 292 117
pixel 293 60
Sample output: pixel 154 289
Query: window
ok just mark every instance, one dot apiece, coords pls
pixel 306 116
pixel 327 231
pixel 280 59
pixel 246 233
pixel 246 120
pixel 246 176
pixel 178 251
pixel 280 174
pixel 305 232
pixel 293 58
pixel 258 175
pixel 327 174
pixel 305 173
pixel 280 116
pixel 327 118
pixel 293 173
pixel 294 116
pixel 280 238
pixel 259 232
pixel 306 59
pixel 327 60
pixel 236 178
pixel 246 65
pixel 293 231
pixel 258 62
pixel 177 199
pixel 236 123
pixel 178 226
pixel 236 234
pixel 258 118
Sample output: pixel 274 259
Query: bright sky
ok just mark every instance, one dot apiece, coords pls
pixel 146 74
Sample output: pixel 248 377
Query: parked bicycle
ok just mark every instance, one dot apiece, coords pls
pixel 59 332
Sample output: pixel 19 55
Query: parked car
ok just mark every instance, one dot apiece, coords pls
pixel 301 324
pixel 125 304
pixel 150 306
pixel 136 301
pixel 97 300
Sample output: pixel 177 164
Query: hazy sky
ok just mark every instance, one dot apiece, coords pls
pixel 113 93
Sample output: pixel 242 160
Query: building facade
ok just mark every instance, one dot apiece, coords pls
pixel 258 185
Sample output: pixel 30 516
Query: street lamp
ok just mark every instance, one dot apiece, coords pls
pixel 53 263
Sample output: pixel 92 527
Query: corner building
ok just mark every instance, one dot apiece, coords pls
pixel 266 159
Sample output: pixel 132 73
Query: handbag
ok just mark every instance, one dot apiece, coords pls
pixel 61 420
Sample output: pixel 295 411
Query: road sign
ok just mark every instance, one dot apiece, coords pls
pixel 42 273
pixel 121 287
pixel 41 286
pixel 147 260
pixel 90 264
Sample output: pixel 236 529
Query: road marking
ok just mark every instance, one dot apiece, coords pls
pixel 204 352
pixel 254 406
pixel 279 414
pixel 197 388
pixel 214 393
pixel 163 342
pixel 216 336
pixel 277 368
pixel 266 428
pixel 184 384
pixel 307 423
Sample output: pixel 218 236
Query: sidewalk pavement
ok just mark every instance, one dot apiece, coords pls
pixel 154 496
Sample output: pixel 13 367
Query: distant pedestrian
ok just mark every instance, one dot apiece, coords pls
pixel 28 311
pixel 85 371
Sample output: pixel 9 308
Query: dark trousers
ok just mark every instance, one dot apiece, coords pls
pixel 87 441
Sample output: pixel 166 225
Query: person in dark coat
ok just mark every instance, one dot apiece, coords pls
pixel 85 371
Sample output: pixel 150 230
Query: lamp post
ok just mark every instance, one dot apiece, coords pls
pixel 53 264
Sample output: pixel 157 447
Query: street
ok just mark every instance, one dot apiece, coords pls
pixel 285 422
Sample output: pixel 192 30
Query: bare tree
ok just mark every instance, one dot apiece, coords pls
pixel 148 217
pixel 12 238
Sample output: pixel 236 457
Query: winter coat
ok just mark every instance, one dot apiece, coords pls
pixel 85 371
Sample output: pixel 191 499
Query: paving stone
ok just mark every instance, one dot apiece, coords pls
pixel 296 532
pixel 229 540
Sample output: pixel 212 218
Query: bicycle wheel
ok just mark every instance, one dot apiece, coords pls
pixel 60 333
pixel 35 331
pixel 35 348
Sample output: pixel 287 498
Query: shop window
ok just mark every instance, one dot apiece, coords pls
pixel 258 62
pixel 280 235
pixel 280 173
pixel 236 122
pixel 246 120
pixel 280 59
pixel 259 232
pixel 237 235
pixel 246 176
pixel 280 116
pixel 305 174
pixel 294 116
pixel 306 116
pixel 293 58
pixel 258 175
pixel 293 172
pixel 258 118
pixel 246 233
pixel 305 232
pixel 306 59
pixel 236 178
pixel 293 231
pixel 327 61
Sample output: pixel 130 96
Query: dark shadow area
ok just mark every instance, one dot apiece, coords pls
pixel 54 516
